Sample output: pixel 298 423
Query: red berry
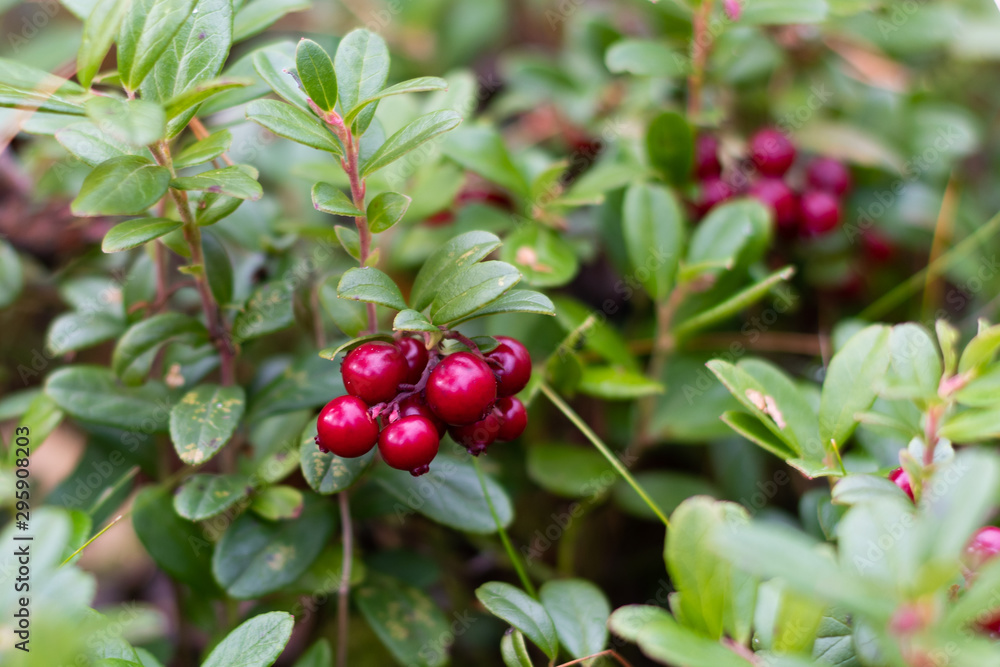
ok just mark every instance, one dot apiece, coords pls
pixel 512 365
pixel 416 406
pixel 877 247
pixel 820 212
pixel 513 418
pixel 827 174
pixel 714 191
pixel 772 152
pixel 775 194
pixel 416 358
pixel 439 219
pixel 410 443
pixel 902 480
pixel 991 625
pixel 706 157
pixel 374 371
pixel 984 546
pixel 461 389
pixel 478 436
pixel 345 428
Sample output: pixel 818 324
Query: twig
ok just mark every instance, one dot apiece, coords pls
pixel 610 653
pixel 201 132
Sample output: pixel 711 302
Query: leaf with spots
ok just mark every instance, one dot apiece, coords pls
pixel 268 309
pixel 204 420
pixel 407 621
pixel 203 496
pixel 327 473
pixel 256 557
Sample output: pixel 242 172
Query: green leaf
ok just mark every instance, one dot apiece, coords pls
pixel 349 316
pixel 254 643
pixel 11 274
pixel 734 234
pixel 230 181
pixel 204 150
pixel 751 428
pixel 362 66
pixel 257 15
pixel 948 337
pixel 292 123
pixel 268 309
pixel 471 289
pixel 132 357
pixel 180 108
pixel 667 641
pixel 569 470
pixel 580 613
pixel 98 33
pixel 521 611
pixel 274 67
pixel 513 650
pixel 914 358
pixel 514 301
pixel 316 74
pixel 176 545
pixel 324 472
pixel 412 320
pixel 857 488
pixel 203 496
pixel 86 141
pixel 406 620
pixel 713 597
pixel 449 494
pixel 278 503
pixel 331 353
pixel 481 150
pixel 667 490
pixel 460 252
pixel 386 209
pixel 734 304
pixel 204 420
pixel 133 233
pixel 643 57
pixel 318 655
pixel 126 185
pixel 418 132
pixel 615 383
pixel 331 199
pixel 850 383
pixel 25 87
pixel 371 286
pixel 783 12
pixel 145 33
pixel 654 235
pixel 39 420
pixel 92 394
pixel 628 622
pixel 543 257
pixel 670 146
pixel 256 557
pixel 972 426
pixel 420 84
pixel 981 392
pixel 981 350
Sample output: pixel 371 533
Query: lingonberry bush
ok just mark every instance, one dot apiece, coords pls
pixel 607 333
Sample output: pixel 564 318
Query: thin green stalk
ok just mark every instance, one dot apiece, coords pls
pixel 515 558
pixel 603 449
pixel 91 540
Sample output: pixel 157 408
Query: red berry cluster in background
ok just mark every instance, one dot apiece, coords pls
pixel 983 548
pixel 813 211
pixel 419 396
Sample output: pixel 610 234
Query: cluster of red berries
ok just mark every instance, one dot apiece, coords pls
pixel 419 396
pixel 813 212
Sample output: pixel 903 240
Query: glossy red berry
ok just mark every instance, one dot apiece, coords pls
pixel 461 389
pixel 902 480
pixel 820 212
pixel 776 195
pixel 410 443
pixel 416 358
pixel 345 428
pixel 984 546
pixel 772 152
pixel 513 418
pixel 478 436
pixel 706 157
pixel 416 406
pixel 511 363
pixel 714 191
pixel 374 371
pixel 827 174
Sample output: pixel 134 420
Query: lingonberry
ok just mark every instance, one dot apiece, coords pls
pixel 374 371
pixel 820 212
pixel 706 157
pixel 902 480
pixel 416 358
pixel 415 405
pixel 461 389
pixel 511 363
pixel 825 173
pixel 984 546
pixel 772 152
pixel 878 247
pixel 775 194
pixel 478 436
pixel 714 191
pixel 990 625
pixel 513 418
pixel 410 443
pixel 345 428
